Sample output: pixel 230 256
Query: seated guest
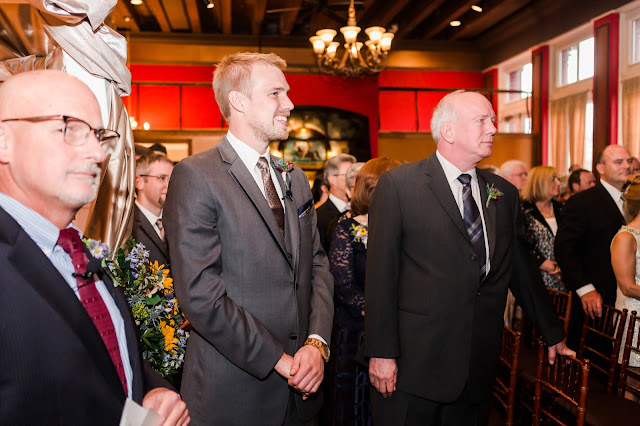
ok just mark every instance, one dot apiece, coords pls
pixel 153 172
pixel 625 256
pixel 515 171
pixel 70 352
pixel 335 170
pixel 542 215
pixel 581 180
pixel 347 258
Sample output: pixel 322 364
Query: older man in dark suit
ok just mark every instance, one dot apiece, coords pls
pixel 442 248
pixel 250 272
pixel 69 346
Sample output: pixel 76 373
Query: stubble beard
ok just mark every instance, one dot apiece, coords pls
pixel 67 195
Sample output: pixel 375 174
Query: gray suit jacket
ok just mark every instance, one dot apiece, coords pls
pixel 250 293
pixel 143 232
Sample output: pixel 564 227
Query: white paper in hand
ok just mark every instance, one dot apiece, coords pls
pixel 134 415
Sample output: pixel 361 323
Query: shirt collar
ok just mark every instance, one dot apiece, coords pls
pixel 152 218
pixel 340 205
pixel 248 155
pixel 614 192
pixel 452 172
pixel 44 233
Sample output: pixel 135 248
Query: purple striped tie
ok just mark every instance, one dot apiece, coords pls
pixel 271 194
pixel 473 222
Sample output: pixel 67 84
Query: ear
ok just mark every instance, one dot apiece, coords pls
pixel 575 187
pixel 600 169
pixel 237 100
pixel 332 180
pixel 139 183
pixel 447 132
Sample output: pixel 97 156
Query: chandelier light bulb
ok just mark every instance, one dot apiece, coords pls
pixel 385 41
pixel 326 35
pixel 375 33
pixel 350 34
pixel 332 48
pixel 318 44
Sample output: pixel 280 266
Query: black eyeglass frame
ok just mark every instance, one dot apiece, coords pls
pixel 101 134
pixel 161 178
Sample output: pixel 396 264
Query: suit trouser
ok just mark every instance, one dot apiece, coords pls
pixel 292 418
pixel 410 410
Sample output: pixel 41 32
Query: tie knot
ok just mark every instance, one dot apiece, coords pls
pixel 263 164
pixel 70 241
pixel 465 179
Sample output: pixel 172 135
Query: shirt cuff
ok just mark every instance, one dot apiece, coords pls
pixel 317 336
pixel 585 289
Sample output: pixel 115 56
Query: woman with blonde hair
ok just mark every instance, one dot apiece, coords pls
pixel 542 216
pixel 347 379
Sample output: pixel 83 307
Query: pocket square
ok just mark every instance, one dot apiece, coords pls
pixel 305 207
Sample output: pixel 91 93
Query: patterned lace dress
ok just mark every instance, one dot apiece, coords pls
pixel 542 238
pixel 348 380
pixel 630 303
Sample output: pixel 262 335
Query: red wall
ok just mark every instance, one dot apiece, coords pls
pixel 172 97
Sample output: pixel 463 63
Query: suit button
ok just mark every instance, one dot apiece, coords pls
pixel 293 337
pixel 473 257
pixel 477 293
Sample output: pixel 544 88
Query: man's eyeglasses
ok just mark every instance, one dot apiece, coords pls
pixel 161 178
pixel 76 132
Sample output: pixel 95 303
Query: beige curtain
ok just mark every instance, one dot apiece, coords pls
pixel 567 131
pixel 630 121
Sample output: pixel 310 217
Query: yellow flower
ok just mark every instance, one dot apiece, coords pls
pixel 170 340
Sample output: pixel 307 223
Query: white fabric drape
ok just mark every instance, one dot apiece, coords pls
pixel 568 131
pixel 630 121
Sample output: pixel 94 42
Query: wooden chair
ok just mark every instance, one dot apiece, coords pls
pixel 563 386
pixel 600 342
pixel 631 345
pixel 504 388
pixel 562 303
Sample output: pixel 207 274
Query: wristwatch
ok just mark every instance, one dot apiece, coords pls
pixel 322 347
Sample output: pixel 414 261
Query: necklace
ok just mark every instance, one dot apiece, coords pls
pixel 546 212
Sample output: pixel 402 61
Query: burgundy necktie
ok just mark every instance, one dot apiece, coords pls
pixel 271 194
pixel 70 242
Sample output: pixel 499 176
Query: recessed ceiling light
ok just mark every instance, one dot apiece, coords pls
pixel 210 5
pixel 136 2
pixel 476 8
pixel 455 23
pixel 127 19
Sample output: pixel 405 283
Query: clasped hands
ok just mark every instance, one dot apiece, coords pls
pixel 304 371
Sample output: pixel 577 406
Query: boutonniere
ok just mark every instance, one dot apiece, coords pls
pixel 493 193
pixel 98 250
pixel 360 233
pixel 284 167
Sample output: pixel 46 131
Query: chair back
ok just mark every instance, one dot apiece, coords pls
pixel 631 346
pixel 562 303
pixel 600 342
pixel 504 388
pixel 563 387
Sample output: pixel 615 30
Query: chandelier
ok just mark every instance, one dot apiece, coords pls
pixel 355 61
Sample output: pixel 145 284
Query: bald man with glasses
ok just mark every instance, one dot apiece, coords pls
pixel 69 346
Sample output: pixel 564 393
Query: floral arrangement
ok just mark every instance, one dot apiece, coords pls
pixel 360 233
pixel 149 291
pixel 492 193
pixel 284 167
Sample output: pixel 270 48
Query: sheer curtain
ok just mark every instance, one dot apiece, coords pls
pixel 631 108
pixel 568 131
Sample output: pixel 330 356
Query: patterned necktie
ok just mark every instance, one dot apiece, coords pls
pixel 271 194
pixel 473 222
pixel 70 242
pixel 160 228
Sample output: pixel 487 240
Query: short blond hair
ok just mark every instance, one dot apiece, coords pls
pixel 538 183
pixel 233 73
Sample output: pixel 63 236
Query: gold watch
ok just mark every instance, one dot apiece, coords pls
pixel 322 347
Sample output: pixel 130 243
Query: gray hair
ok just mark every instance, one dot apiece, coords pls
pixel 507 168
pixel 445 112
pixel 332 166
pixel 350 176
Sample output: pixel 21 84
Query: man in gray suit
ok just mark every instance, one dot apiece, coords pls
pixel 249 269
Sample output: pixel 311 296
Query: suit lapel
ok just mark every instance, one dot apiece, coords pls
pixel 39 272
pixel 489 213
pixel 243 178
pixel 437 181
pixel 292 233
pixel 148 229
pixel 610 204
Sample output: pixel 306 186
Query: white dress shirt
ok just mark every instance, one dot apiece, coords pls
pixel 452 172
pixel 342 206
pixel 152 218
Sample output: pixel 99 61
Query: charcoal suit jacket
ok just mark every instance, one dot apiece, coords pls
pixel 144 232
pixel 55 366
pixel 426 304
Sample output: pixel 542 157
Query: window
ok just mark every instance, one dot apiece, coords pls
pixel 635 41
pixel 588 136
pixel 520 79
pixel 576 62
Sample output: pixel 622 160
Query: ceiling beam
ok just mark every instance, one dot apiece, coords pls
pixel 289 18
pixel 225 15
pixel 194 16
pixel 122 8
pixel 488 18
pixel 381 14
pixel 158 12
pixel 418 17
pixel 259 9
pixel 450 13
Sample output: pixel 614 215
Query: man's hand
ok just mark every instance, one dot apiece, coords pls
pixel 559 348
pixel 592 304
pixel 307 370
pixel 283 367
pixel 168 404
pixel 383 373
pixel 550 266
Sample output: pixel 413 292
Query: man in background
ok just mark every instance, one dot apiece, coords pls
pixel 70 354
pixel 153 172
pixel 581 180
pixel 515 171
